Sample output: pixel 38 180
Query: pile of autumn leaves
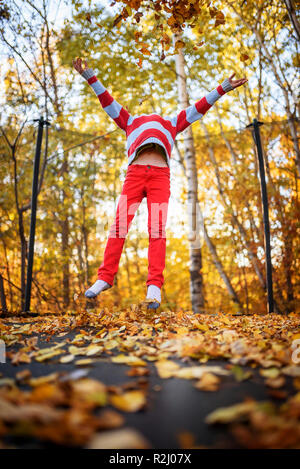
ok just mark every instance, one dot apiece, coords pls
pixel 72 409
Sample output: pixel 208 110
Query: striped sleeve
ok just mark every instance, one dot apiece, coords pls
pixel 117 112
pixel 196 111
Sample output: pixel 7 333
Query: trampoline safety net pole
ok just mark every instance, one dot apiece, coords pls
pixel 34 195
pixel 264 196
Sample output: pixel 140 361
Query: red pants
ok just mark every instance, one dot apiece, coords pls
pixel 154 183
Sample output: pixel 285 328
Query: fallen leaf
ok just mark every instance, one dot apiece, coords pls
pixel 240 374
pixel 138 371
pixel 130 401
pixel 66 358
pixel 43 379
pixel 23 375
pixel 208 382
pixel 230 414
pixel 84 362
pixel 292 370
pixel 197 371
pixel 36 412
pixel 127 438
pixel 110 419
pixel 90 391
pixel 186 440
pixel 166 368
pixel 46 356
pixel 275 382
pixel 270 373
pixel 129 360
pixel 93 350
pixel 7 382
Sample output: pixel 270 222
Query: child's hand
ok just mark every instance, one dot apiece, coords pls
pixel 77 63
pixel 236 83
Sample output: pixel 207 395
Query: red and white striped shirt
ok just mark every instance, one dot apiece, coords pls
pixel 146 128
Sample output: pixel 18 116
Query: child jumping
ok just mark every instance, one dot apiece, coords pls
pixel 150 139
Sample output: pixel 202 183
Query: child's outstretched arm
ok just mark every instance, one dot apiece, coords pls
pixel 117 112
pixel 194 112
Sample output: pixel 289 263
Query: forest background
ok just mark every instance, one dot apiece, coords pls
pixel 84 161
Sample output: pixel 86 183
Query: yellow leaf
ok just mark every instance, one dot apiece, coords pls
pixel 129 360
pixel 270 372
pixel 67 359
pixel 47 356
pixel 43 379
pixel 84 362
pixel 130 401
pixel 91 391
pixel 93 350
pixel 230 414
pixel 202 327
pixel 73 350
pixel 166 368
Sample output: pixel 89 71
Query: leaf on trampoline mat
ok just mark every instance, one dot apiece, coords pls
pixel 43 379
pixel 240 374
pixel 20 357
pixel 73 350
pixel 166 368
pixel 93 350
pixel 90 391
pixel 129 360
pixel 23 375
pixel 7 382
pixel 47 356
pixel 208 382
pixel 270 373
pixel 127 438
pixel 292 370
pixel 275 383
pixel 84 362
pixel 138 371
pixel 67 358
pixel 37 412
pixel 192 372
pixel 230 414
pixel 130 401
pixel 109 419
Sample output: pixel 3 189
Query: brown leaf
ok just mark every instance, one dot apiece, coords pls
pixel 208 382
pixel 138 371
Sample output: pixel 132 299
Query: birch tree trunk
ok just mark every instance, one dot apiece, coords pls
pixel 291 8
pixel 196 277
pixel 213 252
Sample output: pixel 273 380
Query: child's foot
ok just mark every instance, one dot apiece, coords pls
pixel 98 287
pixel 153 293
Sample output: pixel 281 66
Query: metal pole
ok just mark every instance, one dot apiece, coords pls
pixel 33 210
pixel 2 296
pixel 256 135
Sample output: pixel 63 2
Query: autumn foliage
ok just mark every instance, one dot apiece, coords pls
pixel 83 160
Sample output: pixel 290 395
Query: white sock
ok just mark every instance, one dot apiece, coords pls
pixel 153 293
pixel 99 286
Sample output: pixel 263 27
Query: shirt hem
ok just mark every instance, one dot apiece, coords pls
pixel 149 140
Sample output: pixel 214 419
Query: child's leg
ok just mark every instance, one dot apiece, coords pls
pixel 131 196
pixel 158 194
